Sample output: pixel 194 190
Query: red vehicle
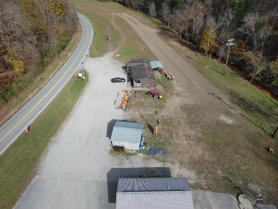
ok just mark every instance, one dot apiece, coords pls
pixel 154 94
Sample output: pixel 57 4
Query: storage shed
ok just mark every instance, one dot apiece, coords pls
pixel 127 134
pixel 153 193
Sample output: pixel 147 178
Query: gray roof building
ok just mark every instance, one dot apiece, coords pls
pixel 153 193
pixel 152 184
pixel 144 172
pixel 127 132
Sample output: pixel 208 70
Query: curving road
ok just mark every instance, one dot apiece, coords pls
pixel 15 126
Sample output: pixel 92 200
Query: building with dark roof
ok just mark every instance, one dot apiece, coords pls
pixel 144 172
pixel 141 73
pixel 153 193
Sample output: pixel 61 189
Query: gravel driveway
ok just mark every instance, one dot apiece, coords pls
pixel 72 175
pixel 73 171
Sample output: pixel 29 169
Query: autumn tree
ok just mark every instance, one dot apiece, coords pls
pixel 255 60
pixel 32 33
pixel 208 43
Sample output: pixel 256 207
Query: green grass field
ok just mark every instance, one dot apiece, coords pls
pixel 124 41
pixel 256 106
pixel 19 163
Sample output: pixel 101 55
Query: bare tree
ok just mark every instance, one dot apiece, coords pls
pixel 152 9
pixel 249 27
pixel 224 30
pixel 165 12
pixel 198 11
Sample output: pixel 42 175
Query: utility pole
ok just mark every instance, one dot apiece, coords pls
pixel 229 43
pixel 113 19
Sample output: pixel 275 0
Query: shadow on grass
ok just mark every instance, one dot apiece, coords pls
pixel 252 109
pixel 236 189
pixel 150 127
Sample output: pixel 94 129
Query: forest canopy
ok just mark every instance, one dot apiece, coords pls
pixel 209 24
pixel 32 33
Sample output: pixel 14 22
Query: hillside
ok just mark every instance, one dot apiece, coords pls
pixel 32 33
pixel 207 25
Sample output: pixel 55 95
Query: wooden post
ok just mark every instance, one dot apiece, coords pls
pixel 273 135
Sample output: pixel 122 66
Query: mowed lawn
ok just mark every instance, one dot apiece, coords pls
pixel 19 163
pixel 124 42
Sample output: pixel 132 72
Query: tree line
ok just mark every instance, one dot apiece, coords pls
pixel 209 24
pixel 32 33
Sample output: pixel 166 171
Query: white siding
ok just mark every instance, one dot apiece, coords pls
pixel 127 145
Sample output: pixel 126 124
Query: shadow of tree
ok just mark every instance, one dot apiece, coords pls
pixel 264 116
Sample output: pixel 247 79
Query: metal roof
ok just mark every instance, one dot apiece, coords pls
pixel 152 184
pixel 127 132
pixel 156 64
pixel 142 71
pixel 155 200
pixel 144 172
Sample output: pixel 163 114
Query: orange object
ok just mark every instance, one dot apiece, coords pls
pixel 124 103
pixel 155 132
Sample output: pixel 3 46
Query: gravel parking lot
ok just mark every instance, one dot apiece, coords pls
pixel 73 172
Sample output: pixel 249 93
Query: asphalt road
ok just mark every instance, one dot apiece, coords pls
pixel 16 125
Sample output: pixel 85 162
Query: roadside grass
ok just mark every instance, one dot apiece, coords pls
pixel 7 110
pixel 19 163
pixel 257 107
pixel 124 42
pixel 102 26
pixel 133 46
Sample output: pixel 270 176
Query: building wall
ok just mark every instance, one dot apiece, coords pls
pixel 146 82
pixel 127 145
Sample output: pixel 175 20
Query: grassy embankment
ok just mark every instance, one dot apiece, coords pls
pixel 256 106
pixel 21 99
pixel 124 41
pixel 245 143
pixel 19 163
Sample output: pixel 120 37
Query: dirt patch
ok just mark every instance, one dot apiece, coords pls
pixel 226 119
